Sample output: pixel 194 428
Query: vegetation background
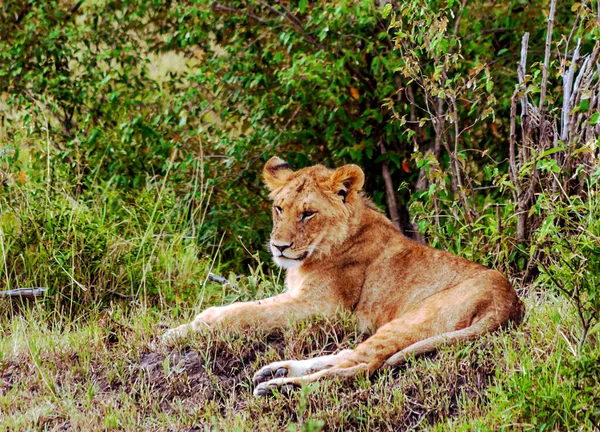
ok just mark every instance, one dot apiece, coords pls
pixel 132 136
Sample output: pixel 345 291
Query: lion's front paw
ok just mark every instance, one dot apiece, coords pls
pixel 173 335
pixel 280 385
pixel 267 373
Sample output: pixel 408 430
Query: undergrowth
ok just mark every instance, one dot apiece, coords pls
pixel 127 182
pixel 109 372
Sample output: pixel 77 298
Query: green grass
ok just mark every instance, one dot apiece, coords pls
pixel 123 269
pixel 108 372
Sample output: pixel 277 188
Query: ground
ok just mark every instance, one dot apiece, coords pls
pixel 108 371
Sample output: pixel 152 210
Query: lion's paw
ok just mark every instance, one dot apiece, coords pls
pixel 171 336
pixel 279 385
pixel 269 372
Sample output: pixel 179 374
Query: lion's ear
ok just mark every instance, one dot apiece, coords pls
pixel 346 180
pixel 276 173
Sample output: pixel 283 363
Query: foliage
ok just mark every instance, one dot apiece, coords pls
pixel 132 135
pixel 569 238
pixel 401 91
pixel 101 246
pixel 559 394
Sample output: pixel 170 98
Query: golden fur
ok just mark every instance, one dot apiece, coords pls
pixel 341 252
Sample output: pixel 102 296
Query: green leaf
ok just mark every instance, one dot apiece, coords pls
pixel 385 12
pixel 551 151
pixel 594 119
pixel 594 329
pixel 302 5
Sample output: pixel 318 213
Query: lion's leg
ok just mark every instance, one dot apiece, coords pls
pixel 266 314
pixel 466 311
pixel 462 313
pixel 287 383
pixel 367 357
pixel 297 368
pixel 431 344
pixel 282 376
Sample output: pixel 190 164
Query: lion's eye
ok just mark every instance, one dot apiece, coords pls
pixel 279 210
pixel 307 215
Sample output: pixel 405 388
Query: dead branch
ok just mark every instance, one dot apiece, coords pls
pixel 457 164
pixel 216 278
pixel 522 199
pixel 567 89
pixel 28 293
pixel 389 188
pixel 547 54
pixel 521 70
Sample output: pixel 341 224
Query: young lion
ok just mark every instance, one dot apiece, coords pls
pixel 340 251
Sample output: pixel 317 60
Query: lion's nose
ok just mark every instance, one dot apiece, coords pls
pixel 282 246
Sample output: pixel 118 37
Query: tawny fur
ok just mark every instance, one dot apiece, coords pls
pixel 341 252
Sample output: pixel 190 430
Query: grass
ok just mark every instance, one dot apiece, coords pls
pixel 123 269
pixel 108 372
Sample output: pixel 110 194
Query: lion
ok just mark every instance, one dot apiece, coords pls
pixel 340 251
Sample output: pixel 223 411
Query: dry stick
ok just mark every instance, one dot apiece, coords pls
pixel 389 188
pixel 585 77
pixel 438 126
pixel 547 55
pixel 521 71
pixel 29 293
pixel 219 6
pixel 567 92
pixel 583 84
pixel 524 153
pixel 512 168
pixel 567 132
pixel 457 165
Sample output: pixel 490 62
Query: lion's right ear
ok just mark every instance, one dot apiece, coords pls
pixel 346 181
pixel 276 173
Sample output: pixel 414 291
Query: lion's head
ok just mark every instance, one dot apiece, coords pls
pixel 312 208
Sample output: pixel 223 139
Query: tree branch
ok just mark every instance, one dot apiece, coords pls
pixel 389 188
pixel 547 54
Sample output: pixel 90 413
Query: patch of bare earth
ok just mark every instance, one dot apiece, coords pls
pixel 207 371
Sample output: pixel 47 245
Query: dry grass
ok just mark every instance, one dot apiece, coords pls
pixel 108 372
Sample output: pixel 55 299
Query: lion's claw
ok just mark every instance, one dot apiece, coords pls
pixel 266 374
pixel 262 392
pixel 287 389
pixel 270 388
pixel 281 372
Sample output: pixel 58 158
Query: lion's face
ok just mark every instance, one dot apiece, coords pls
pixel 311 209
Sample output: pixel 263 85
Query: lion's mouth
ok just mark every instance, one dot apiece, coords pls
pixel 300 258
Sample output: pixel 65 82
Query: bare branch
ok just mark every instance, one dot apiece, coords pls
pixel 389 188
pixel 29 293
pixel 567 89
pixel 521 71
pixel 547 54
pixel 220 7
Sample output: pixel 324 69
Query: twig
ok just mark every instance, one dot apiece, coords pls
pixel 294 22
pixel 512 166
pixel 216 278
pixel 389 188
pixel 29 293
pixel 219 6
pixel 521 71
pixel 568 89
pixel 458 19
pixel 457 164
pixel 547 54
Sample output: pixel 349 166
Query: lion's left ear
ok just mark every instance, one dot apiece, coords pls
pixel 276 173
pixel 346 180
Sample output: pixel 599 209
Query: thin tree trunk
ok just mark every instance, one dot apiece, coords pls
pixel 389 189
